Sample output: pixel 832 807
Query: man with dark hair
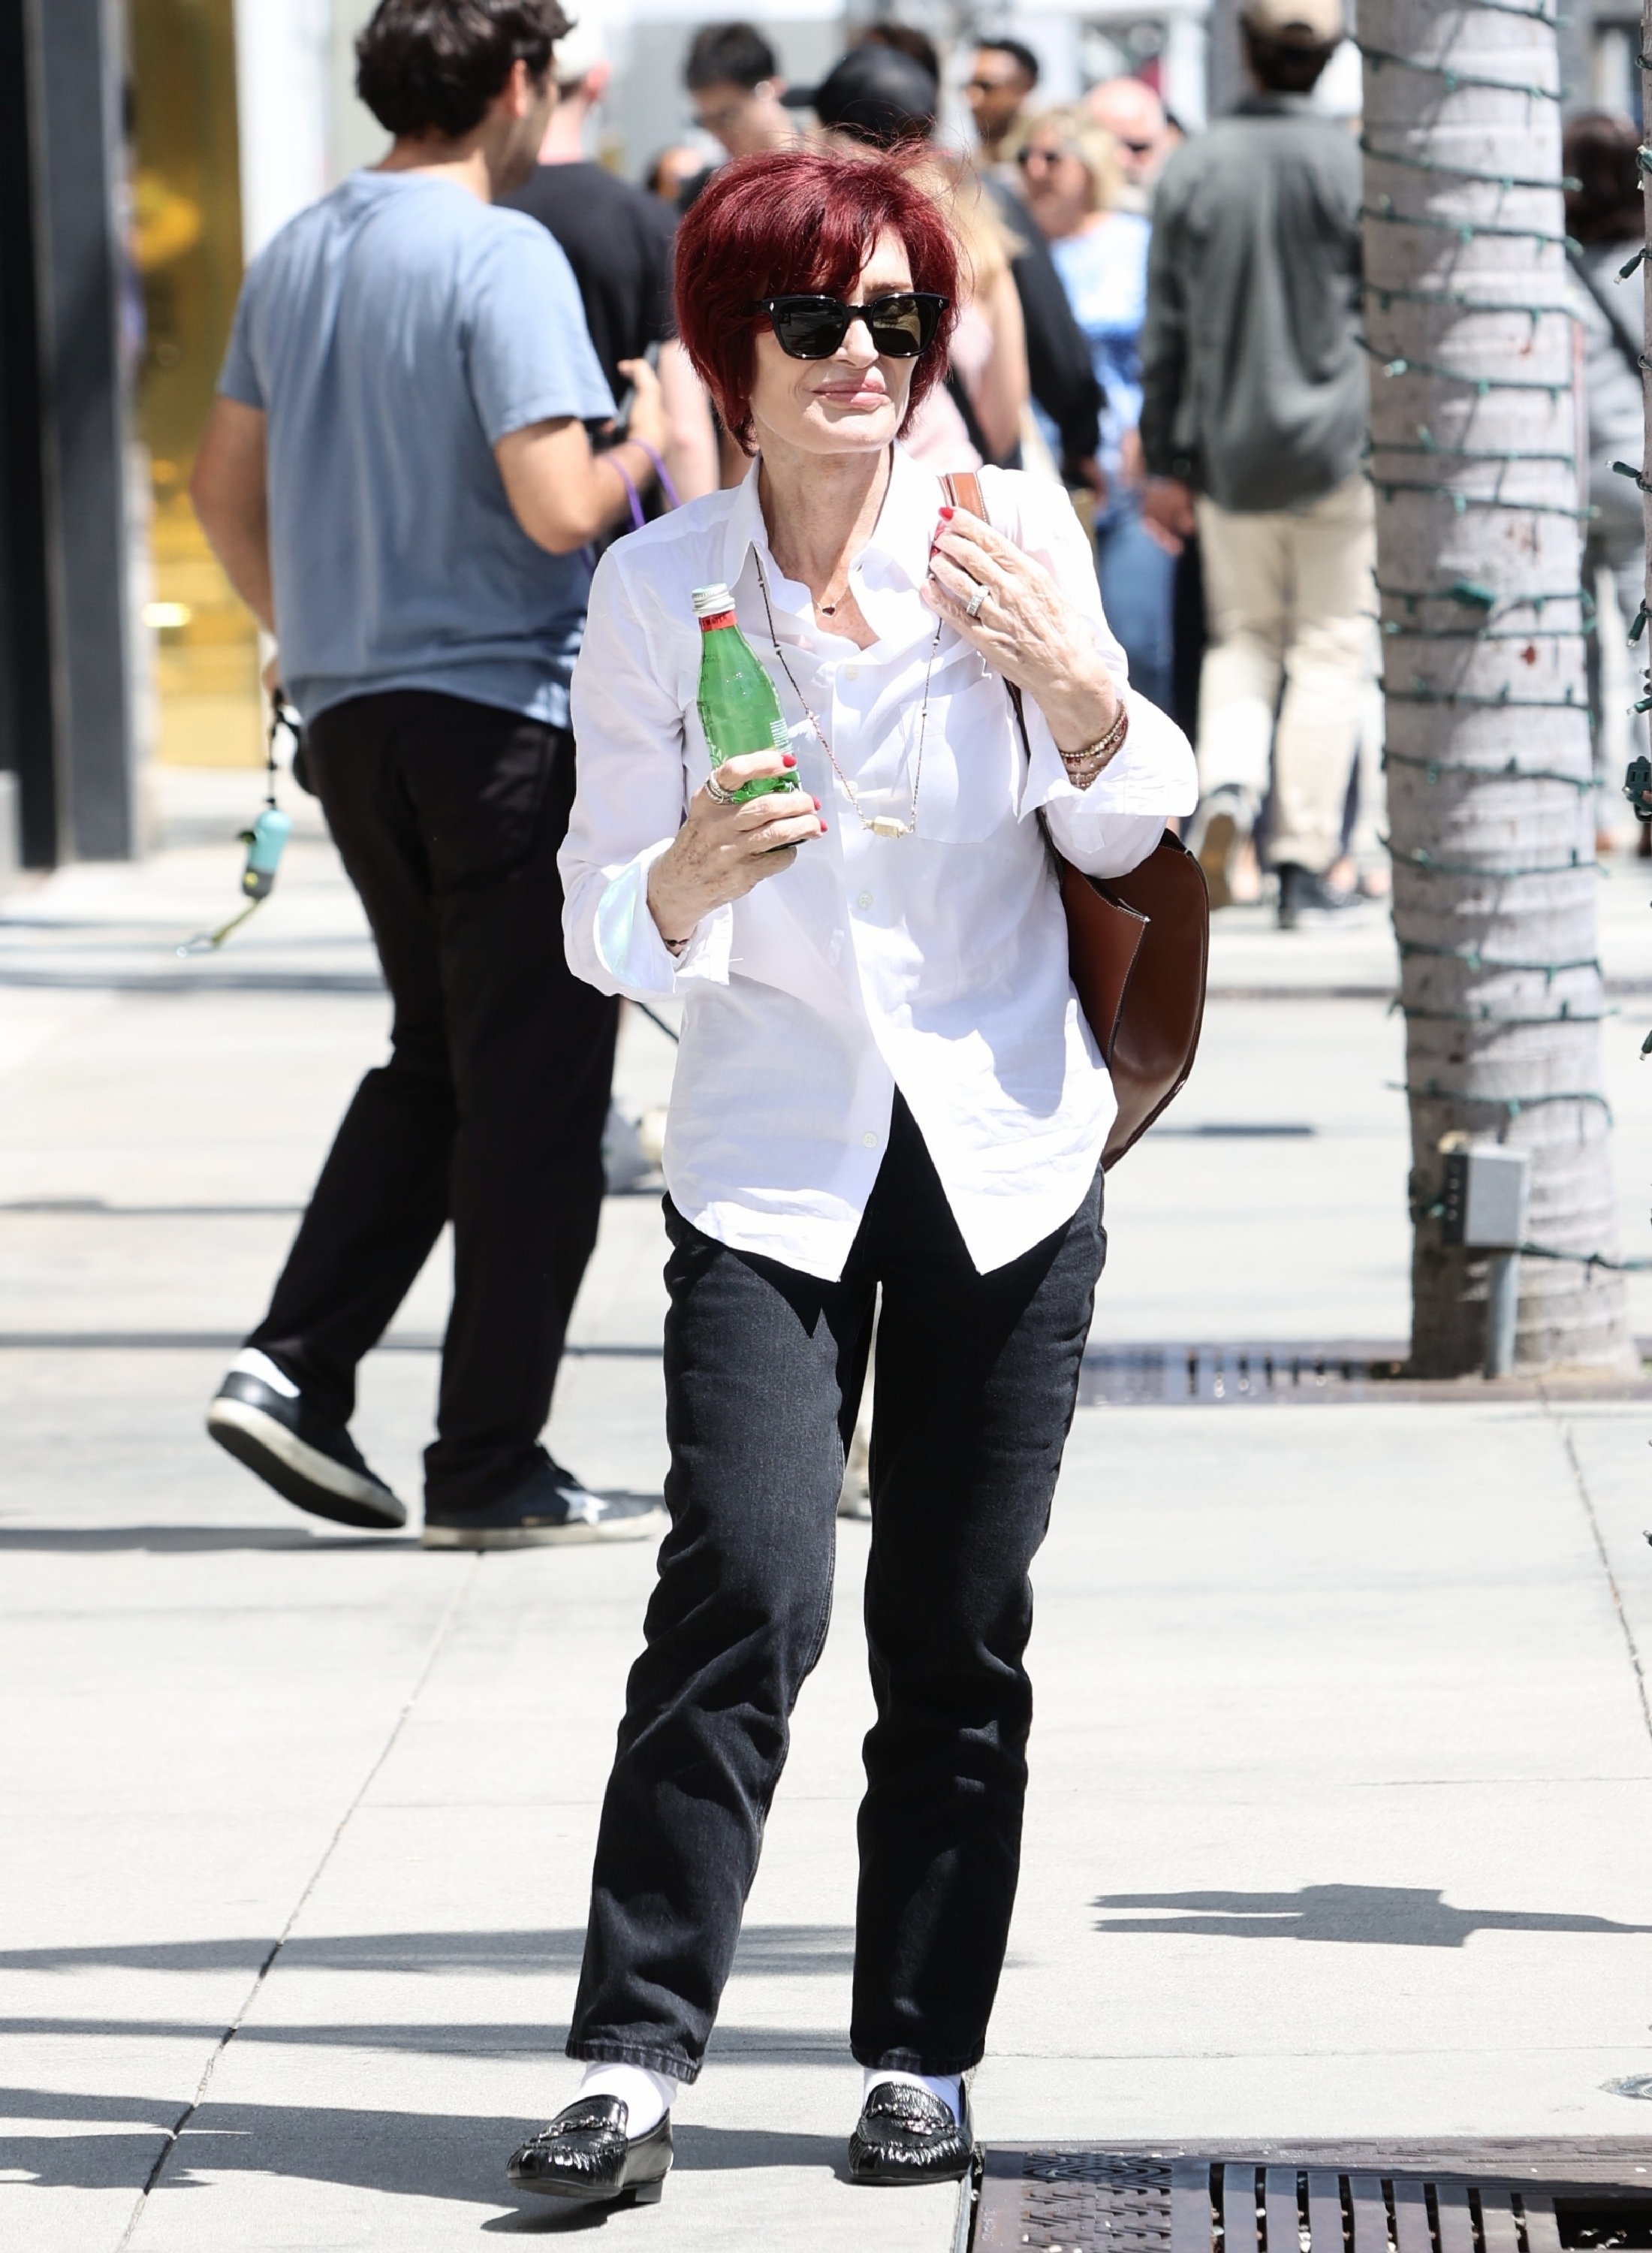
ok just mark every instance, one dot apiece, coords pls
pixel 734 76
pixel 1001 78
pixel 618 240
pixel 397 478
pixel 1254 398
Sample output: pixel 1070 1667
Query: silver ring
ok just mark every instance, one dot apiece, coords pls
pixel 972 607
pixel 714 789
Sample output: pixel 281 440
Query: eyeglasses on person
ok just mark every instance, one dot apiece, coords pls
pixel 1033 155
pixel 901 326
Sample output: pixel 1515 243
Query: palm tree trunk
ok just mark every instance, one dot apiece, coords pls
pixel 1475 452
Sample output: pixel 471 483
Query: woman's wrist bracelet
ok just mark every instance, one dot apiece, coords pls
pixel 1093 757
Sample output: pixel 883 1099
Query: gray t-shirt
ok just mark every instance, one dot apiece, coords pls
pixel 393 333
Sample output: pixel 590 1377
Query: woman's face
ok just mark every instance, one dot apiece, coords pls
pixel 1058 185
pixel 854 402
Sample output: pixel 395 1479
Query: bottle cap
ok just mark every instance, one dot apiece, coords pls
pixel 709 601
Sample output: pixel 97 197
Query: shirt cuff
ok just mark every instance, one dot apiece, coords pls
pixel 1152 773
pixel 628 941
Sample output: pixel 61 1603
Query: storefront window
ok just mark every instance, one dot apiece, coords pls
pixel 186 245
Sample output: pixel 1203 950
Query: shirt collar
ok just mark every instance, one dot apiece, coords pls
pixel 895 560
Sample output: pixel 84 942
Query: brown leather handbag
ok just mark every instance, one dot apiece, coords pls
pixel 1138 951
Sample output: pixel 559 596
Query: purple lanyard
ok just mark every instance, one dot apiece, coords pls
pixel 634 498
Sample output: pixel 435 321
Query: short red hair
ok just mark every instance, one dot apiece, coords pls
pixel 797 220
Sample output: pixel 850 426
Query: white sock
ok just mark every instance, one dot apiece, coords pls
pixel 947 2086
pixel 647 2095
pixel 254 1364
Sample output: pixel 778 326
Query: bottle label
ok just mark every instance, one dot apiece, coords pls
pixel 721 618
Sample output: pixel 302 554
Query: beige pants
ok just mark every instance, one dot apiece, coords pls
pixel 1291 596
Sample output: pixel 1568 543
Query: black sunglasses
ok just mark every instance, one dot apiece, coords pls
pixel 813 328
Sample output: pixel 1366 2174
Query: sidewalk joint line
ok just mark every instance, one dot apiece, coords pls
pixel 444 1625
pixel 1587 1501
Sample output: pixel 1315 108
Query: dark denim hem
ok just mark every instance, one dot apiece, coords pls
pixel 669 2061
pixel 912 2060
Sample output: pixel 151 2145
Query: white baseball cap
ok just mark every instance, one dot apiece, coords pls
pixel 1296 23
pixel 579 50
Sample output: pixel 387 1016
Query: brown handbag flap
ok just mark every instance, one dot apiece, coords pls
pixel 1162 1011
pixel 1105 938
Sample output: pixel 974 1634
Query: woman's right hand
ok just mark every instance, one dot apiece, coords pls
pixel 723 851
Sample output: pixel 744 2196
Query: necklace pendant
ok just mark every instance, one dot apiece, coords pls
pixel 885 825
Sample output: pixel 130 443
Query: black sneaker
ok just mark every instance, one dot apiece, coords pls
pixel 549 1507
pixel 1308 898
pixel 306 1459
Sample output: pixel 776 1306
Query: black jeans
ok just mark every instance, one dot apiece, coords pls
pixel 977 1376
pixel 448 816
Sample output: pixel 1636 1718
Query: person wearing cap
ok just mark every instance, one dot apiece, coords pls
pixel 1254 414
pixel 885 96
pixel 876 92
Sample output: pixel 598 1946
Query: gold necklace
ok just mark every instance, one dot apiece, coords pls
pixel 880 825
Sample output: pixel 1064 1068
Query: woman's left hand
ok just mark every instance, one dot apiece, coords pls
pixel 1025 628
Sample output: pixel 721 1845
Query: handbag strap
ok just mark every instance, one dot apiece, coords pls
pixel 963 490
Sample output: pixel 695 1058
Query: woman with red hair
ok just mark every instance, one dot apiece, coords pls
pixel 885 1083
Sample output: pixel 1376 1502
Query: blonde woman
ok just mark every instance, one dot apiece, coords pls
pixel 953 432
pixel 1070 168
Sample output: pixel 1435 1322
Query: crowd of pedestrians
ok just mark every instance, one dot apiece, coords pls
pixel 980 470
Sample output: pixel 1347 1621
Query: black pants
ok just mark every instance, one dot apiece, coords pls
pixel 448 816
pixel 977 1376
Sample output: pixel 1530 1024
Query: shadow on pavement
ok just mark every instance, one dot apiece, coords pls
pixel 406 2155
pixel 186 1540
pixel 1370 1916
pixel 780 1949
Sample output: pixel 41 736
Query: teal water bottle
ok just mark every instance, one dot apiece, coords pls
pixel 263 842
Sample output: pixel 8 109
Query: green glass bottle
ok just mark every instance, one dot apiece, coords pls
pixel 739 709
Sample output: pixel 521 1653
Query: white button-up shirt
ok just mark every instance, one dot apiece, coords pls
pixel 936 963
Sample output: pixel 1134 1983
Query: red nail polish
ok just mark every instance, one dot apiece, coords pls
pixel 945 514
pixel 817 806
pixel 788 759
pixel 823 829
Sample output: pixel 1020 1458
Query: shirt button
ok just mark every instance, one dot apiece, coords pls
pixel 870 1141
pixel 852 673
pixel 864 900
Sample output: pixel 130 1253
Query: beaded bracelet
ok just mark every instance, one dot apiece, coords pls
pixel 1095 755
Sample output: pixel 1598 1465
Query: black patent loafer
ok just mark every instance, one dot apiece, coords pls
pixel 585 2155
pixel 904 2135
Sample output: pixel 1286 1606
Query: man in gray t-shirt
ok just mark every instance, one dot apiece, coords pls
pixel 398 479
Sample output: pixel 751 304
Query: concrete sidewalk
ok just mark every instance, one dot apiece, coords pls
pixel 1342 1771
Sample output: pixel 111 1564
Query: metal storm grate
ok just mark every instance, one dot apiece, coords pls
pixel 1205 1376
pixel 1283 1375
pixel 1464 2199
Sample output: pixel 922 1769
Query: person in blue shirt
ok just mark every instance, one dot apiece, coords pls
pixel 398 477
pixel 1070 177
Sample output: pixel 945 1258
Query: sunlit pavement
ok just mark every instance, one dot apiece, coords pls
pixel 1341 1783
